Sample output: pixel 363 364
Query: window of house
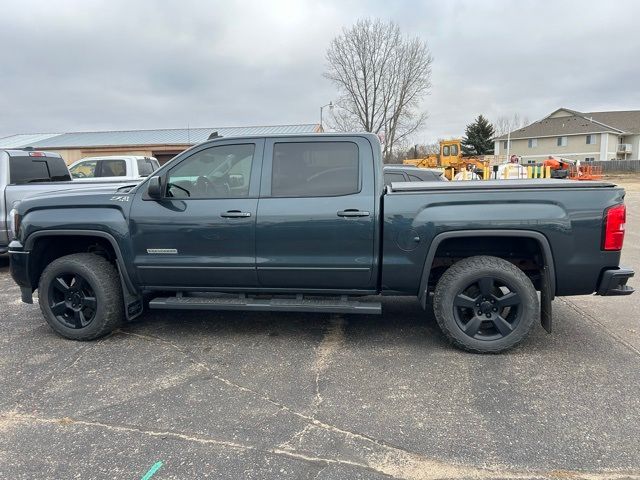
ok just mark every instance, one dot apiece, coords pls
pixel 504 144
pixel 589 159
pixel 591 139
pixel 562 141
pixel 217 172
pixel 533 142
pixel 315 169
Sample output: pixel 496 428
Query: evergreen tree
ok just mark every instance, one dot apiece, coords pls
pixel 478 138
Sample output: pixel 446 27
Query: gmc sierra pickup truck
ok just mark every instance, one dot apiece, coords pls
pixel 305 223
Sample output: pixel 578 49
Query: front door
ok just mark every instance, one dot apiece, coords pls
pixel 202 234
pixel 317 214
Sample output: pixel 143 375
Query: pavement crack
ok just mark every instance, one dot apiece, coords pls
pixel 409 467
pixel 317 475
pixel 308 418
pixel 296 437
pixel 331 342
pixel 373 454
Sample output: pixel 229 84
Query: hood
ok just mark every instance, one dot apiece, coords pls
pixel 99 196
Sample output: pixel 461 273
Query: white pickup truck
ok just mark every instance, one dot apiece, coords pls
pixel 113 168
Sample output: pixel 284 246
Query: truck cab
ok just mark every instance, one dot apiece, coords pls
pixel 113 168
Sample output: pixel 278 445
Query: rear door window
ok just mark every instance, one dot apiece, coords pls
pixel 318 169
pixel 28 170
pixel 112 168
pixel 393 177
pixel 58 169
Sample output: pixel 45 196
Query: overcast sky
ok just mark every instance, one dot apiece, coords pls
pixel 115 64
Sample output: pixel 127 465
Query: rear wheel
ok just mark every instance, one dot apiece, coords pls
pixel 80 296
pixel 485 304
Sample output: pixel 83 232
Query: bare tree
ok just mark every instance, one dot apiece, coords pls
pixel 404 151
pixel 504 124
pixel 381 77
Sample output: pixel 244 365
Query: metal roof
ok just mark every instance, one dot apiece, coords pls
pixel 580 122
pixel 24 139
pixel 170 136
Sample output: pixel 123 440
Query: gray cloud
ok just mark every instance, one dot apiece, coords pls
pixel 90 65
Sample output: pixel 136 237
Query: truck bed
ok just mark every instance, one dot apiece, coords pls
pixel 568 214
pixel 400 187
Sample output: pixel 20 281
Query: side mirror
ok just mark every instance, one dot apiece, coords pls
pixel 154 188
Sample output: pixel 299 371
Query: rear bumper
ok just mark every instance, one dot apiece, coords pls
pixel 19 267
pixel 614 282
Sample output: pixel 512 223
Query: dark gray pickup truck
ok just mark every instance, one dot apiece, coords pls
pixel 305 223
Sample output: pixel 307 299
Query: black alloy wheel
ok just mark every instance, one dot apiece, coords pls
pixel 485 304
pixel 80 296
pixel 72 300
pixel 487 309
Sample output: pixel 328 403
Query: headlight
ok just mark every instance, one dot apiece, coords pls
pixel 14 223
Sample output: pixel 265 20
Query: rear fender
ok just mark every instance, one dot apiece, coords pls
pixel 549 276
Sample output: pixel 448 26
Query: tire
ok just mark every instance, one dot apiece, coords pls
pixel 80 296
pixel 485 304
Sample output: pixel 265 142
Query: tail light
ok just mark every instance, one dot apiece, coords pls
pixel 614 220
pixel 14 224
pixel 37 154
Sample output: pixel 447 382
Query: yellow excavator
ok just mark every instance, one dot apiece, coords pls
pixel 452 160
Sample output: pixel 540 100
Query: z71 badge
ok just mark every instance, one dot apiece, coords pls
pixel 120 198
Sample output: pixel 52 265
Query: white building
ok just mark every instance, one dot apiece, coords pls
pixel 576 136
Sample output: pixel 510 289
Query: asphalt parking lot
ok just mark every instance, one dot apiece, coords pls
pixel 251 395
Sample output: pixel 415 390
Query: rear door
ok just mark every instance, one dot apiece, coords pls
pixel 316 215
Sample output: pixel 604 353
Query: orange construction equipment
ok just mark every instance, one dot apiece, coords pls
pixel 584 171
pixel 572 169
pixel 558 163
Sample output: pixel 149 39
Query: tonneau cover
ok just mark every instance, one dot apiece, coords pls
pixel 399 187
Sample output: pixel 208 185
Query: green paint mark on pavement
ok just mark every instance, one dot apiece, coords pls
pixel 156 466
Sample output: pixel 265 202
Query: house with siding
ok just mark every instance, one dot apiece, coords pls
pixel 576 135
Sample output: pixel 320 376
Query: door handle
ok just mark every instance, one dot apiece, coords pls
pixel 235 214
pixel 353 212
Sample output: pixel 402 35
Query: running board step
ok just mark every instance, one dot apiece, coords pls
pixel 342 304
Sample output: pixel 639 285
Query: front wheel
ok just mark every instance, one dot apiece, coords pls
pixel 80 296
pixel 485 304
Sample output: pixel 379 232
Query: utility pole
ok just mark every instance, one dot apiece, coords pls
pixel 330 105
